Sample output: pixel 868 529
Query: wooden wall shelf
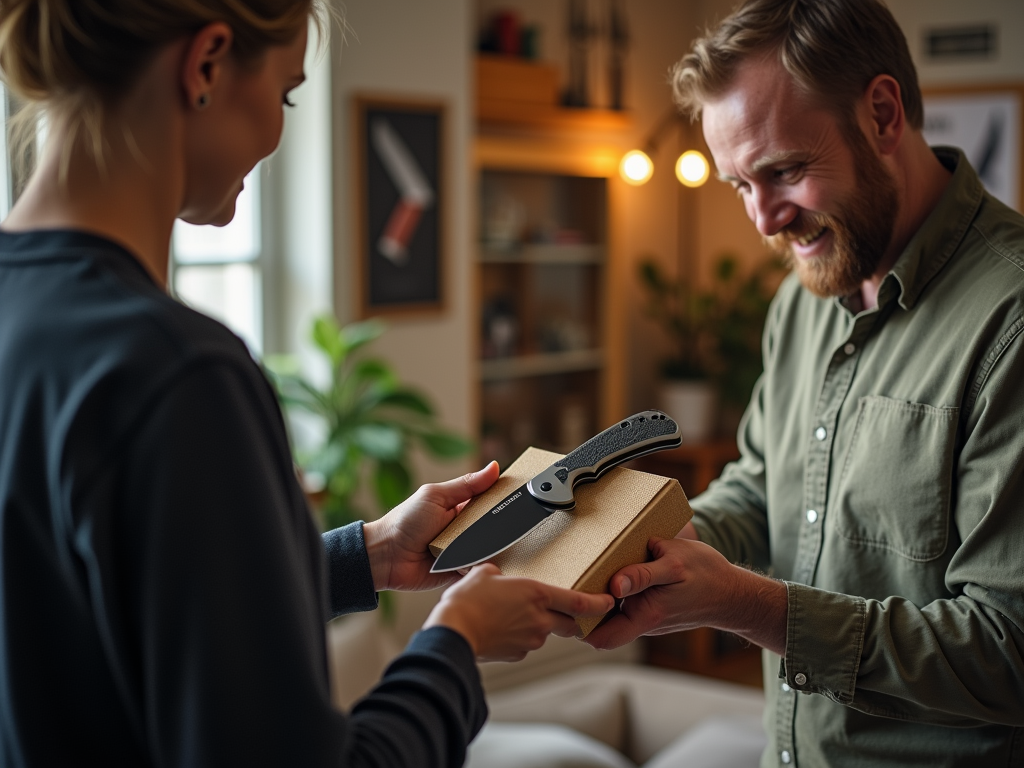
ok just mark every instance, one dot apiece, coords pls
pixel 498 112
pixel 522 94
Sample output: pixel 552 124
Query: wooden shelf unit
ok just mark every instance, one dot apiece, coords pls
pixel 539 381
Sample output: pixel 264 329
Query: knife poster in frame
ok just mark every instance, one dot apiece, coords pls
pixel 400 205
pixel 985 122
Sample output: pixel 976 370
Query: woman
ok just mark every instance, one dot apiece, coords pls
pixel 162 587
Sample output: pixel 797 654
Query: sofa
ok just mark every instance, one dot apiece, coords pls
pixel 569 706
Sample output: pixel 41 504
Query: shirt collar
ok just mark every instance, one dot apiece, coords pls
pixel 940 235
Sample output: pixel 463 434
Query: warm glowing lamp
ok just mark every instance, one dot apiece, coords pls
pixel 692 168
pixel 636 167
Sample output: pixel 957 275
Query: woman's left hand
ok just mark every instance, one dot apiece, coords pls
pixel 397 543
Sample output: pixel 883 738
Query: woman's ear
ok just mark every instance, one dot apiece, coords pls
pixel 203 64
pixel 888 120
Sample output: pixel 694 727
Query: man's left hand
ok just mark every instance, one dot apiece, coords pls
pixel 397 543
pixel 690 585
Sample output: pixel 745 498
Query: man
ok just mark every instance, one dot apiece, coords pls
pixel 881 477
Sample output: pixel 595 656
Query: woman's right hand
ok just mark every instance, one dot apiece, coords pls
pixel 505 617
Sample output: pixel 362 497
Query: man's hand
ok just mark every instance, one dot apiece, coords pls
pixel 504 617
pixel 397 543
pixel 690 585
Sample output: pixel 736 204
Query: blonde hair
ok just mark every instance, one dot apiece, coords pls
pixel 74 59
pixel 832 49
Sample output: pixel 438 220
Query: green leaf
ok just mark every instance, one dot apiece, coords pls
pixel 373 371
pixel 281 365
pixel 379 440
pixel 343 482
pixel 327 336
pixel 392 482
pixel 327 460
pixel 356 335
pixel 725 269
pixel 446 445
pixel 408 400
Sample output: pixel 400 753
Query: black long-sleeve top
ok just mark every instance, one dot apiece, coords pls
pixel 163 588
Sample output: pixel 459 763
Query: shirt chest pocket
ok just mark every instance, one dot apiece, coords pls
pixel 896 483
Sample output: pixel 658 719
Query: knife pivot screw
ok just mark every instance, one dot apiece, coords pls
pixel 624 424
pixel 545 487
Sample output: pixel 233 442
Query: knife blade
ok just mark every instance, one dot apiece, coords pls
pixel 529 506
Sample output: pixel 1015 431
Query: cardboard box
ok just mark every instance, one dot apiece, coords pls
pixel 582 549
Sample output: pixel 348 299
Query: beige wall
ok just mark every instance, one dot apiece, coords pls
pixel 408 48
pixel 915 16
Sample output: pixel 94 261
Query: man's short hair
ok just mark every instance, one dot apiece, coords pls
pixel 832 48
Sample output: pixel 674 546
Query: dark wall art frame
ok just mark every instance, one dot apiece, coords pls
pixel 400 205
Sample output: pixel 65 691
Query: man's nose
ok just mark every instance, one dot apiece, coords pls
pixel 770 211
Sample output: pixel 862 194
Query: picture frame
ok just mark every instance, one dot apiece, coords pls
pixel 985 121
pixel 400 205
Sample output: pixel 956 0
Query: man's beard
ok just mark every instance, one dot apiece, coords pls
pixel 861 232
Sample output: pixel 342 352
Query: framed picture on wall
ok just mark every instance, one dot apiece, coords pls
pixel 400 205
pixel 985 122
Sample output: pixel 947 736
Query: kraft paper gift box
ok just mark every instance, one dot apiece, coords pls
pixel 582 548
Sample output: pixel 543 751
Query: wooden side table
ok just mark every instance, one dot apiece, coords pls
pixel 701 651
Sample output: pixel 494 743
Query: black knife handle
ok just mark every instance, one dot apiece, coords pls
pixel 638 435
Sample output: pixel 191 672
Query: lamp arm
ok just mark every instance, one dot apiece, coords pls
pixel 656 136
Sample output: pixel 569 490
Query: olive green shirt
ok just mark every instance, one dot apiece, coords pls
pixel 882 478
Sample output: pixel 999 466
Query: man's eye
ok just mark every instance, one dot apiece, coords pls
pixel 287 102
pixel 789 173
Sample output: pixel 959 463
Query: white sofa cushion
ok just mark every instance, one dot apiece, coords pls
pixel 726 742
pixel 587 705
pixel 513 745
pixel 660 705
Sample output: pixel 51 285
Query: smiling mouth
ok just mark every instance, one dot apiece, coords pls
pixel 810 237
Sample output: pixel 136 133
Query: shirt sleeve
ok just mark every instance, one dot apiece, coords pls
pixel 953 661
pixel 349 578
pixel 213 604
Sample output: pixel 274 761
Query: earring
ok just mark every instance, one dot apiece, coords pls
pixel 202 101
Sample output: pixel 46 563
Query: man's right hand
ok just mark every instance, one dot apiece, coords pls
pixel 505 617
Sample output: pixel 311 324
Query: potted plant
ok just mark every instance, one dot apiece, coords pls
pixel 716 337
pixel 370 422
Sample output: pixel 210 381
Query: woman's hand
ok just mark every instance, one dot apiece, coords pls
pixel 690 585
pixel 504 617
pixel 397 543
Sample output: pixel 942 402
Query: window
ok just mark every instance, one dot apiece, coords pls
pixel 219 270
pixel 5 160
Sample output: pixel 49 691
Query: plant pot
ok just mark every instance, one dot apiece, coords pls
pixel 694 407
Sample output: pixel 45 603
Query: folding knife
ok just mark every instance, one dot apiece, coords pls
pixel 530 505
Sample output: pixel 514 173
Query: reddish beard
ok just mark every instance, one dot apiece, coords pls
pixel 861 231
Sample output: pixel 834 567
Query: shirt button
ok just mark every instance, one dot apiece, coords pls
pixel 786 688
pixel 849 349
pixel 800 678
pixel 812 516
pixel 820 433
pixel 785 756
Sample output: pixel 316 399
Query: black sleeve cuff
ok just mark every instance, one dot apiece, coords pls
pixel 349 580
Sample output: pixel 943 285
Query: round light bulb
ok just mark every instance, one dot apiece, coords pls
pixel 692 168
pixel 636 168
